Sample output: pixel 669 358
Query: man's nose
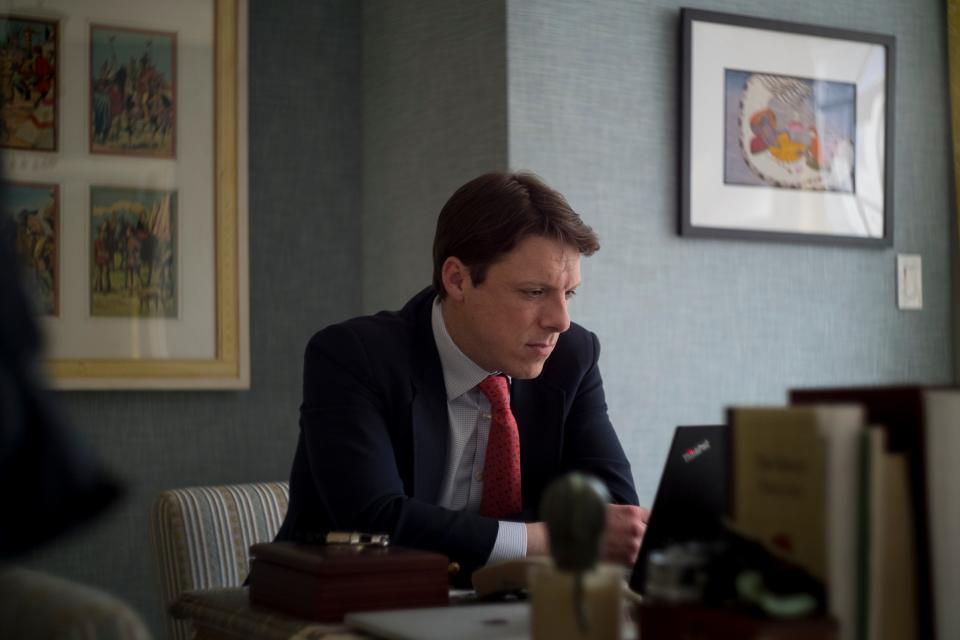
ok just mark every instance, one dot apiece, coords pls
pixel 556 318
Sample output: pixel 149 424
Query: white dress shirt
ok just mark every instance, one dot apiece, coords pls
pixel 469 412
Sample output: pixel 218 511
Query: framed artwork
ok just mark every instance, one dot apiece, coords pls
pixel 133 240
pixel 29 67
pixel 786 132
pixel 133 91
pixel 150 248
pixel 953 68
pixel 35 211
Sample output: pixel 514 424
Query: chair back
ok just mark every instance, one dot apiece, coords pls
pixel 202 536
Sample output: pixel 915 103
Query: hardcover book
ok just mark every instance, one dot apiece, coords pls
pixel 922 424
pixel 796 488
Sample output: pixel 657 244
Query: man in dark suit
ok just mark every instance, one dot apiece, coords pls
pixel 400 432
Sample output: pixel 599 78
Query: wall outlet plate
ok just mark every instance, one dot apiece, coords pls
pixel 909 281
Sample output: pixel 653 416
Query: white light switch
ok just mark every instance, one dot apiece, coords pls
pixel 909 281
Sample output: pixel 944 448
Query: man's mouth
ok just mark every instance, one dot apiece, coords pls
pixel 542 348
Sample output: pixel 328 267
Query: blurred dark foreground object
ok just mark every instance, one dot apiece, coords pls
pixel 733 571
pixel 49 480
pixel 731 588
pixel 658 620
pixel 38 605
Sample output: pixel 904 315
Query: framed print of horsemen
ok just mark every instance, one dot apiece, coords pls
pixel 123 155
pixel 133 89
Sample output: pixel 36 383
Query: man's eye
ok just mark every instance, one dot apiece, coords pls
pixel 534 293
pixel 571 293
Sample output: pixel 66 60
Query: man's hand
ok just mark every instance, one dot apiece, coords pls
pixel 538 541
pixel 626 525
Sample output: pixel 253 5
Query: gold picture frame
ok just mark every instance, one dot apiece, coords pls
pixel 953 69
pixel 145 354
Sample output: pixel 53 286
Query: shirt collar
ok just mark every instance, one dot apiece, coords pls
pixel 460 373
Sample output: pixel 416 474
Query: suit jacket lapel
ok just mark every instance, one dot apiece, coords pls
pixel 430 420
pixel 538 409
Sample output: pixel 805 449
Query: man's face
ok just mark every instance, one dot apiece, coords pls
pixel 511 321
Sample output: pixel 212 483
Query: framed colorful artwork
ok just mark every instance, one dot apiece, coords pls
pixel 149 262
pixel 953 68
pixel 133 261
pixel 29 65
pixel 35 211
pixel 133 91
pixel 786 132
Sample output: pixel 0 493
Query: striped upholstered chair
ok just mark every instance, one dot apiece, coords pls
pixel 202 537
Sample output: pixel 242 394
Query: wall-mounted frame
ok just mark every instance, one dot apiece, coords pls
pixel 116 98
pixel 953 68
pixel 153 275
pixel 786 131
pixel 29 60
pixel 35 211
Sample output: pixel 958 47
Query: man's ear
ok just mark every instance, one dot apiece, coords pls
pixel 455 277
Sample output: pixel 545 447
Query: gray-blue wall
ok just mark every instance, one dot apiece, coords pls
pixel 363 119
pixel 434 116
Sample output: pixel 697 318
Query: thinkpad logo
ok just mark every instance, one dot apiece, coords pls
pixel 695 452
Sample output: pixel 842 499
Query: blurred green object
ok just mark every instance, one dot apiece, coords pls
pixel 575 510
pixel 751 588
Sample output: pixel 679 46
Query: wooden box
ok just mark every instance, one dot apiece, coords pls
pixel 324 582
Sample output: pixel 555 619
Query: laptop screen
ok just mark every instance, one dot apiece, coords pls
pixel 692 498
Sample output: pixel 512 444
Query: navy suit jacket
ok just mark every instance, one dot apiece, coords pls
pixel 374 429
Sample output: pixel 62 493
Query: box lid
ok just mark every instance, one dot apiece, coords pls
pixel 343 558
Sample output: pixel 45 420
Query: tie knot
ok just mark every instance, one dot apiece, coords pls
pixel 495 388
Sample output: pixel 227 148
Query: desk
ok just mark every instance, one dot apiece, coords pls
pixel 226 614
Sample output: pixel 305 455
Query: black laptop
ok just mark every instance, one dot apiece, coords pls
pixel 692 498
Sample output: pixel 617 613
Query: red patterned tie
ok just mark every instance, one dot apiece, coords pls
pixel 501 468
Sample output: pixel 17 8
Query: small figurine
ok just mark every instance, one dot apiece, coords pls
pixel 575 510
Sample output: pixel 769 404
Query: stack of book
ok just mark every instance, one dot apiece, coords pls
pixel 855 486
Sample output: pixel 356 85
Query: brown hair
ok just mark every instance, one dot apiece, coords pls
pixel 490 215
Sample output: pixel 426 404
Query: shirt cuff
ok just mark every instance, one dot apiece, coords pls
pixel 511 542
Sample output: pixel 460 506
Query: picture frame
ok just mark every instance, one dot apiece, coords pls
pixel 133 242
pixel 135 118
pixel 153 250
pixel 29 105
pixel 786 131
pixel 35 210
pixel 953 70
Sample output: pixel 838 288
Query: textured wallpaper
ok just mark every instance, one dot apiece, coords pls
pixel 434 116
